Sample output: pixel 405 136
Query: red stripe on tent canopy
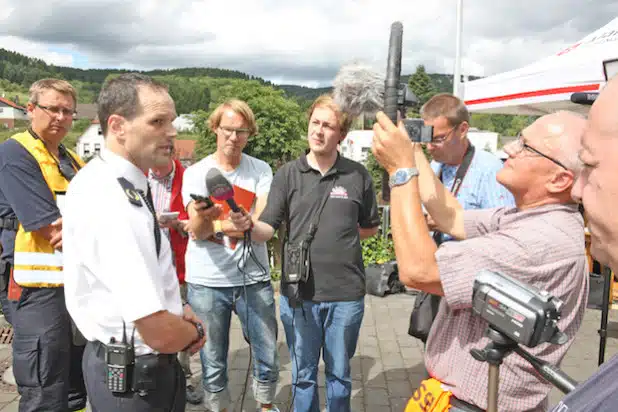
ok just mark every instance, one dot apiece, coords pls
pixel 537 93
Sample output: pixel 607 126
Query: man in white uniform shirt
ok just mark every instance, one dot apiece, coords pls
pixel 118 266
pixel 219 283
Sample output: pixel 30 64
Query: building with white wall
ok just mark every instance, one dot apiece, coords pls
pixel 91 142
pixel 184 123
pixel 10 112
pixel 357 145
pixel 483 140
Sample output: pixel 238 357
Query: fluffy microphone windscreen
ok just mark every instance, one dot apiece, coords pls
pixel 358 88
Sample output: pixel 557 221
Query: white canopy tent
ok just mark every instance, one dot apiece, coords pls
pixel 547 85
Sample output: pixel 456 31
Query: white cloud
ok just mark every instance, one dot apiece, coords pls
pixel 36 50
pixel 301 41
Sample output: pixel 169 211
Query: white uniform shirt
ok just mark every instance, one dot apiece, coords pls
pixel 111 268
pixel 212 264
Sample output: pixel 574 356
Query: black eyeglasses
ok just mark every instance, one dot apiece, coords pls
pixel 518 145
pixel 442 139
pixel 57 110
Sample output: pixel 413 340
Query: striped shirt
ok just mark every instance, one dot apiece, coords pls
pixel 162 193
pixel 543 247
pixel 479 189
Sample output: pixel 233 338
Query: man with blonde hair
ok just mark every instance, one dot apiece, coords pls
pixel 539 242
pixel 221 278
pixel 328 205
pixel 35 170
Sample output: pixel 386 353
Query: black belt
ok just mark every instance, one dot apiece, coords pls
pixel 465 406
pixel 164 358
pixel 9 223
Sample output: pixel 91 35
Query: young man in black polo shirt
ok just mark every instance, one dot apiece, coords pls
pixel 324 312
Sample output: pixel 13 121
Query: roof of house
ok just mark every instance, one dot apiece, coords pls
pixel 184 148
pixel 10 103
pixel 86 111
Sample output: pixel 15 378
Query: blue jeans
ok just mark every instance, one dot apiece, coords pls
pixel 214 306
pixel 330 327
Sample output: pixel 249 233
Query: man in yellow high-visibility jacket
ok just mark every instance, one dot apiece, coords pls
pixel 35 170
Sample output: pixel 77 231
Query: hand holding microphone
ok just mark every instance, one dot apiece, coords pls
pixel 222 190
pixel 242 220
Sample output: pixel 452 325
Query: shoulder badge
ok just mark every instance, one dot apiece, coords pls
pixel 130 192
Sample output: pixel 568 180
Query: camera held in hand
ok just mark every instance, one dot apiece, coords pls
pixel 418 131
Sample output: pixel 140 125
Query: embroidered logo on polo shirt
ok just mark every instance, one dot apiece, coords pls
pixel 339 192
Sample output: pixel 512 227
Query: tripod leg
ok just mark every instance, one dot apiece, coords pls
pixel 607 283
pixel 493 382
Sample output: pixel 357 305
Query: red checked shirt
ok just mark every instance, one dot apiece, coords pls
pixel 543 247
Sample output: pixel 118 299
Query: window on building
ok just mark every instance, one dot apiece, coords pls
pixel 86 149
pixel 97 148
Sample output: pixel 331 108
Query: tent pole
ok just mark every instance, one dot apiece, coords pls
pixel 457 88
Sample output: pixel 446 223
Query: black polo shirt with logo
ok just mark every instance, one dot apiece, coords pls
pixel 296 193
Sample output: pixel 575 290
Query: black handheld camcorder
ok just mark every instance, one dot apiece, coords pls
pixel 523 313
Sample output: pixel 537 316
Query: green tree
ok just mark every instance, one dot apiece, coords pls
pixel 504 124
pixel 376 172
pixel 422 86
pixel 280 122
pixel 80 126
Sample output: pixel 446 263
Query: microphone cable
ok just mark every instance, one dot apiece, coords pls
pixel 248 254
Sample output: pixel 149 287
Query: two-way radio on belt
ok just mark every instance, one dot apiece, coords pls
pixel 120 359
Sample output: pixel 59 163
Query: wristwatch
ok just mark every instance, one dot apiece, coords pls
pixel 218 228
pixel 200 334
pixel 402 176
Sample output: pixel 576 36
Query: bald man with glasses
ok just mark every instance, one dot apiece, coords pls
pixel 469 174
pixel 540 242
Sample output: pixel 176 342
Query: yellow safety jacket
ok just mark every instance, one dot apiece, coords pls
pixel 35 262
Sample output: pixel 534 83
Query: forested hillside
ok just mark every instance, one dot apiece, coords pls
pixel 194 88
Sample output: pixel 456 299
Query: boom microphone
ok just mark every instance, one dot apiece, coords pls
pixel 359 89
pixel 220 188
pixel 391 88
pixel 584 98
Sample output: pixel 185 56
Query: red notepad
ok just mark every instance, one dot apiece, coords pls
pixel 243 198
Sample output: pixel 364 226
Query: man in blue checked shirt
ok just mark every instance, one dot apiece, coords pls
pixel 478 189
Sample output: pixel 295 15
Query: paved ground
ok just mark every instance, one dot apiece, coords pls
pixel 387 366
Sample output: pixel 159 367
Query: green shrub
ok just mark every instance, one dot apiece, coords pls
pixel 378 250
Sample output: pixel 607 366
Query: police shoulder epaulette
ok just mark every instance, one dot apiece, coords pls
pixel 129 190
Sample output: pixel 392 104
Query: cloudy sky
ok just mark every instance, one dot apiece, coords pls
pixel 295 41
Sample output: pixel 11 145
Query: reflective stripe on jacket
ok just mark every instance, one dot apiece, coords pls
pixel 36 262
